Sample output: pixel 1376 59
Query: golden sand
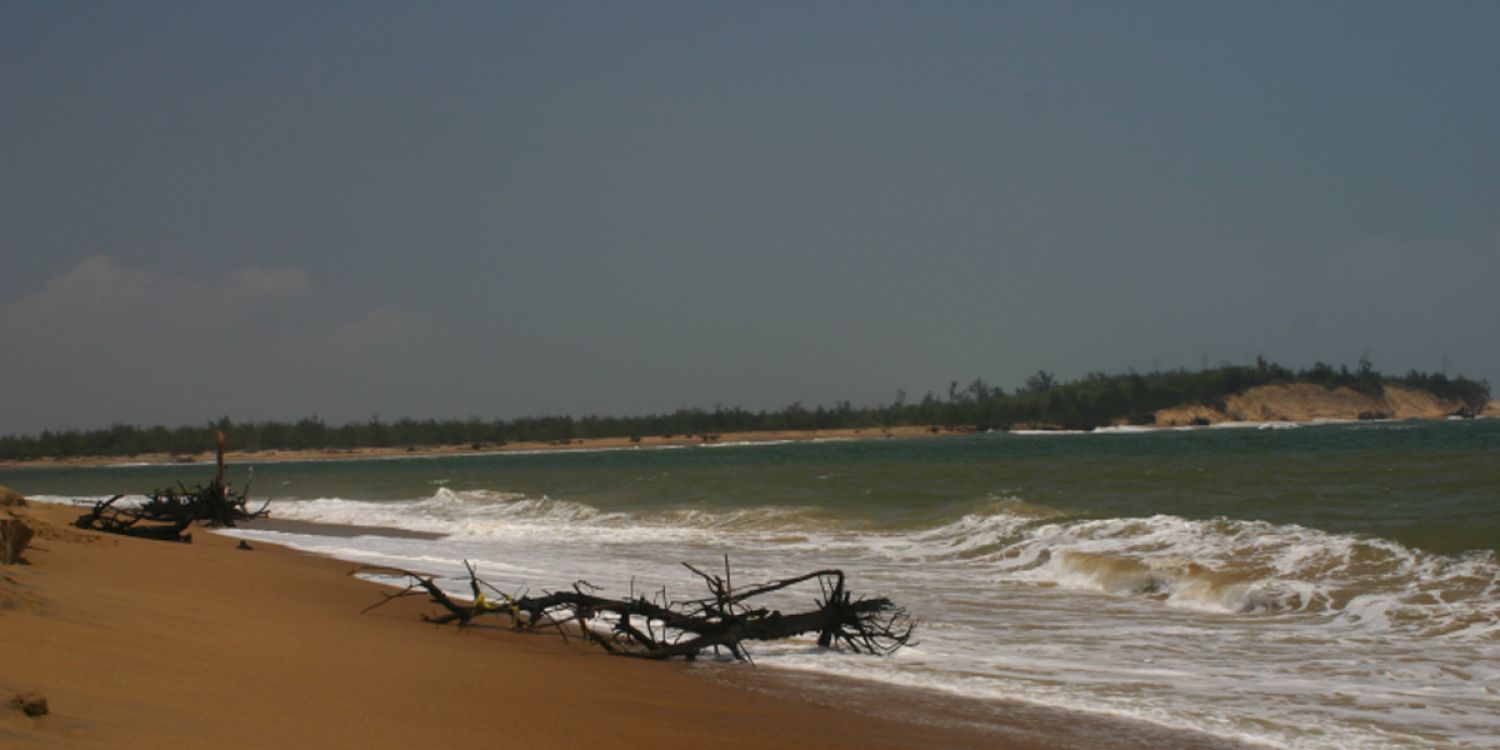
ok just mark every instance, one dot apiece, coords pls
pixel 145 644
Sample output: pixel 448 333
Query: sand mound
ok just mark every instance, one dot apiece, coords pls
pixel 10 498
pixel 1304 402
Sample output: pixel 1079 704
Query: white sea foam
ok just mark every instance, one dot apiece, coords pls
pixel 1145 429
pixel 1221 565
pixel 746 443
pixel 1251 567
pixel 1253 425
pixel 1276 634
pixel 86 500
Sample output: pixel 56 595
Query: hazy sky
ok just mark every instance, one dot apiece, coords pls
pixel 270 211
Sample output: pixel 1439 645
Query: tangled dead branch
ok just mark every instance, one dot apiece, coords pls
pixel 168 513
pixel 660 628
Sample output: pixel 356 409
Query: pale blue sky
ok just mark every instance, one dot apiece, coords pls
pixel 448 210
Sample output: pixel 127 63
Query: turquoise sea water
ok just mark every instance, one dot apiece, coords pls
pixel 1323 586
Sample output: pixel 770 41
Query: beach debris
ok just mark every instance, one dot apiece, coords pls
pixel 14 536
pixel 31 704
pixel 167 513
pixel 662 628
pixel 244 545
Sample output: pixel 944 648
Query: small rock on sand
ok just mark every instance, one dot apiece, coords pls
pixel 33 704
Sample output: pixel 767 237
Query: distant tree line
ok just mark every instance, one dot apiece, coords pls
pixel 1094 400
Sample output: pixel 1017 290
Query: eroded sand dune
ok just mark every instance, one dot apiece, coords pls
pixel 1305 402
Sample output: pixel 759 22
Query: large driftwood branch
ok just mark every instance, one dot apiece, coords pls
pixel 663 629
pixel 169 512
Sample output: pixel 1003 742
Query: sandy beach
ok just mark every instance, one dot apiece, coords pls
pixel 138 643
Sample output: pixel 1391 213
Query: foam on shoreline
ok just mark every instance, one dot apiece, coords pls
pixel 1228 608
pixel 125 637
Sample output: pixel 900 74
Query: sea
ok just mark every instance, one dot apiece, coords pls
pixel 1258 585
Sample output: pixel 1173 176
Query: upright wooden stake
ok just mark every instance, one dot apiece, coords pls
pixel 219 477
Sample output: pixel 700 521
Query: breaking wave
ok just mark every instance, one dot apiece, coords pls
pixel 1253 568
pixel 1227 566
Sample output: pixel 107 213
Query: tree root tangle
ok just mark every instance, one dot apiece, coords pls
pixel 169 512
pixel 660 628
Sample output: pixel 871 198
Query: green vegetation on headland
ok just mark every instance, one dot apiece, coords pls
pixel 1096 400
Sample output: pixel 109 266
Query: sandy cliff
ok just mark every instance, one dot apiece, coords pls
pixel 1302 402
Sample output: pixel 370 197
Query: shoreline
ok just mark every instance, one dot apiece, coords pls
pixel 139 643
pixel 146 644
pixel 910 689
pixel 1173 420
pixel 428 451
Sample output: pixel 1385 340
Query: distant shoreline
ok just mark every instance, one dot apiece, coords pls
pixel 1264 393
pixel 423 451
pixel 1272 405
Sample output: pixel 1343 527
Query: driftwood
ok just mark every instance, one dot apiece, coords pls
pixel 168 513
pixel 659 628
